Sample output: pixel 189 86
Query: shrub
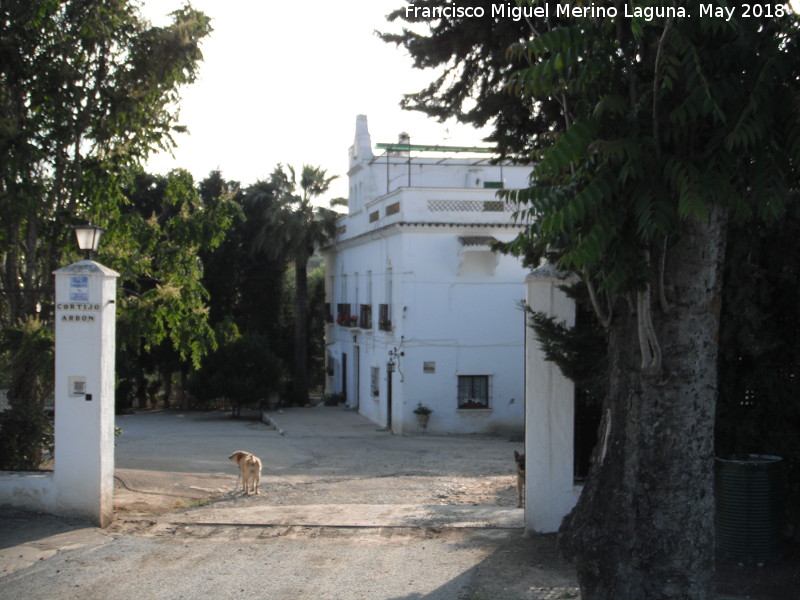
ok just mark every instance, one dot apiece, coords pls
pixel 243 371
pixel 26 433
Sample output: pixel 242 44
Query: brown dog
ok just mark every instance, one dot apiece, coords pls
pixel 519 459
pixel 250 466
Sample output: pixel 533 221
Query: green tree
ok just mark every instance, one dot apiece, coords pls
pixel 471 63
pixel 296 229
pixel 675 125
pixel 758 411
pixel 25 429
pixel 243 371
pixel 87 90
pixel 156 245
pixel 244 282
pixel 665 128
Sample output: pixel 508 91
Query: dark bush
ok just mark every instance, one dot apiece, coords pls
pixel 243 372
pixel 26 432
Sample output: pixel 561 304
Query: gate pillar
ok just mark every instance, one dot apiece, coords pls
pixel 85 320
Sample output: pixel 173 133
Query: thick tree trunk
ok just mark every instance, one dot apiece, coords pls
pixel 643 528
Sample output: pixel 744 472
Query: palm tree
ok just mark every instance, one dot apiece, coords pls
pixel 296 229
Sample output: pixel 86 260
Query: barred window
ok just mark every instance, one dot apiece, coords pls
pixel 473 391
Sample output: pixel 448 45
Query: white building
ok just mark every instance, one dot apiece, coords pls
pixel 412 281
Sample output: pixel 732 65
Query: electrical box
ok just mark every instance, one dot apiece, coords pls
pixel 77 386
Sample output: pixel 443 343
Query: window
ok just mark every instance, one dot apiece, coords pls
pixel 473 391
pixel 384 318
pixel 375 375
pixel 343 316
pixel 365 316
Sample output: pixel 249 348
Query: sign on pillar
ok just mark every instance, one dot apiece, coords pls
pixel 85 321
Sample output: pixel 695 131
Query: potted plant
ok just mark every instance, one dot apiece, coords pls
pixel 423 414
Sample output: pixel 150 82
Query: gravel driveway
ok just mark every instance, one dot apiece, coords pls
pixel 346 511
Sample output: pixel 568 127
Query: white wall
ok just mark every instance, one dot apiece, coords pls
pixel 550 491
pixel 466 325
pixel 452 306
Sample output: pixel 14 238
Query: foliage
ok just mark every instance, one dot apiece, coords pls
pixel 758 411
pixel 316 327
pixel 472 66
pixel 659 130
pixel 26 432
pixel 579 351
pixel 87 90
pixel 294 228
pixel 155 246
pixel 296 223
pixel 670 124
pixel 243 283
pixel 333 399
pixel 243 371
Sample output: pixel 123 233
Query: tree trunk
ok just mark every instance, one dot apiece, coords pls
pixel 141 388
pixel 301 333
pixel 166 384
pixel 643 527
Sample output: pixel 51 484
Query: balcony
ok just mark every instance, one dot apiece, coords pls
pixel 365 316
pixel 384 317
pixel 343 316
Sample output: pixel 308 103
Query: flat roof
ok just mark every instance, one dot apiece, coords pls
pixel 398 147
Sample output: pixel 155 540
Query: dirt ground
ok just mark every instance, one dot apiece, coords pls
pixel 352 471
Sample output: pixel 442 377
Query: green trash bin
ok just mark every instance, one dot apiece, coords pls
pixel 749 508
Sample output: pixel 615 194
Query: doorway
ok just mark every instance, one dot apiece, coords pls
pixel 356 377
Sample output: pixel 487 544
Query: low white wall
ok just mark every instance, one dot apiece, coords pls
pixel 30 491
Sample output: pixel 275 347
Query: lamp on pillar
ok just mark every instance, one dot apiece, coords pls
pixel 88 238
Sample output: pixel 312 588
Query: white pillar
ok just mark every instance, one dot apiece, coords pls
pixel 85 320
pixel 550 492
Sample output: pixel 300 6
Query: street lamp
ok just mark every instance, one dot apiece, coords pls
pixel 88 238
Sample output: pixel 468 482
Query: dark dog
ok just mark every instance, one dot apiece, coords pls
pixel 520 460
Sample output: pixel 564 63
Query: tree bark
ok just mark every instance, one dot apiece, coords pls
pixel 643 527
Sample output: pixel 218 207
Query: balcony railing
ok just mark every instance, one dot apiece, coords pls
pixel 343 316
pixel 365 316
pixel 384 317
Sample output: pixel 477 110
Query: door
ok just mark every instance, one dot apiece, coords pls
pixel 356 377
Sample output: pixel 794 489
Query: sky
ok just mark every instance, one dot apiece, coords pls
pixel 283 82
